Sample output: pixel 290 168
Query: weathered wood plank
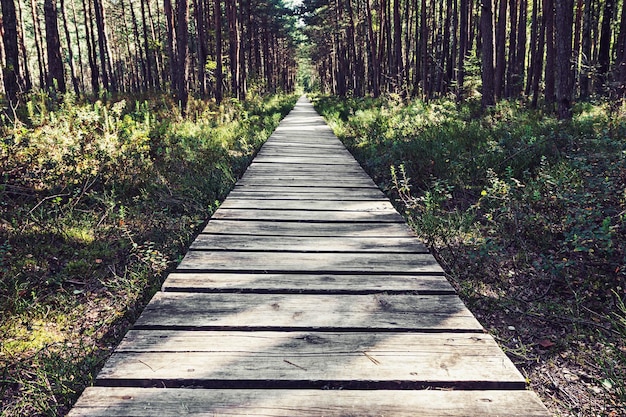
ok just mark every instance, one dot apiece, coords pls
pixel 363 195
pixel 303 169
pixel 308 244
pixel 306 283
pixel 305 160
pixel 296 228
pixel 309 216
pixel 311 359
pixel 142 402
pixel 339 182
pixel 307 311
pixel 380 263
pixel 310 205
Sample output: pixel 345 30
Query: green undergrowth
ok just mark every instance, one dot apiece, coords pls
pixel 526 214
pixel 97 201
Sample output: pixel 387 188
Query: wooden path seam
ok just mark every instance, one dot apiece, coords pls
pixel 307 295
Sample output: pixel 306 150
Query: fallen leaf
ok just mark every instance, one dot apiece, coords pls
pixel 545 343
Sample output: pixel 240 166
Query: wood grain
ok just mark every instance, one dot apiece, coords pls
pixel 296 228
pixel 142 402
pixel 373 263
pixel 307 311
pixel 306 283
pixel 309 244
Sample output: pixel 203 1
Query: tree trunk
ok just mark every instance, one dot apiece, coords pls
pixel 500 69
pixel 169 29
pixel 146 44
pixel 38 44
pixel 585 74
pixel 102 47
pixel 218 52
pixel 12 81
pixel 486 29
pixel 463 48
pixel 91 47
pixel 564 22
pixel 70 53
pixel 548 15
pixel 56 75
pixel 373 54
pixel 182 42
pixel 25 71
pixel 604 53
pixel 78 47
pixel 512 78
pixel 538 61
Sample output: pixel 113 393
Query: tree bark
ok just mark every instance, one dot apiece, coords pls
pixel 500 69
pixel 182 43
pixel 486 29
pixel 564 22
pixel 604 53
pixel 548 15
pixel 12 81
pixel 56 75
pixel 219 93
pixel 70 53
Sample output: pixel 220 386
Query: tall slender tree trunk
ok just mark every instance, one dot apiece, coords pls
pixel 56 75
pixel 91 47
pixel 463 39
pixel 548 15
pixel 182 43
pixel 219 92
pixel 70 53
pixel 38 44
pixel 586 58
pixel 604 53
pixel 169 29
pixel 500 69
pixel 102 47
pixel 538 60
pixel 28 83
pixel 373 54
pixel 12 79
pixel 511 77
pixel 486 29
pixel 564 22
pixel 78 46
pixel 146 44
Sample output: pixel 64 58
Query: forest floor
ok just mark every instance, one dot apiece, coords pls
pixel 97 201
pixel 527 216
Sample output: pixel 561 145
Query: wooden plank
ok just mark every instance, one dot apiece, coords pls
pixel 296 228
pixel 262 261
pixel 305 160
pixel 309 216
pixel 306 359
pixel 142 402
pixel 310 205
pixel 296 182
pixel 304 168
pixel 401 312
pixel 306 283
pixel 311 189
pixel 308 244
pixel 364 195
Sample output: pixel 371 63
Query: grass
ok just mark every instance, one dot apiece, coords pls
pixel 526 214
pixel 97 201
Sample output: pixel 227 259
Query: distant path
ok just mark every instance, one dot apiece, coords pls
pixel 307 295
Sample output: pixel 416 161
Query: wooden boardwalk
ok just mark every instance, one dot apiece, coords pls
pixel 307 295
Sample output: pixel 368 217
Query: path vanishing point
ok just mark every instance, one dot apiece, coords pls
pixel 307 295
